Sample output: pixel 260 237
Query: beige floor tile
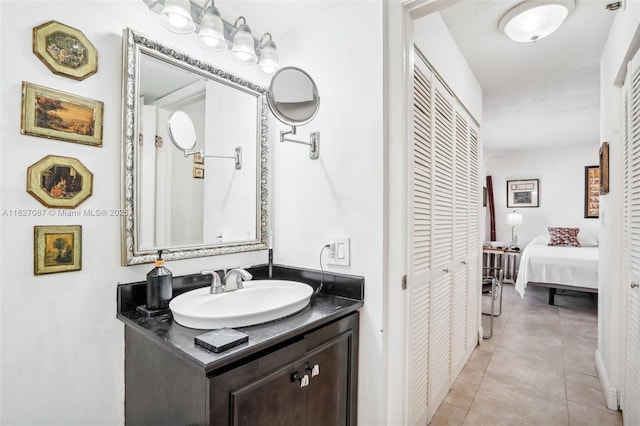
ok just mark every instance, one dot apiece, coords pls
pixel 449 414
pixel 541 374
pixel 537 369
pixel 584 389
pixel 462 393
pixel 579 415
pixel 503 399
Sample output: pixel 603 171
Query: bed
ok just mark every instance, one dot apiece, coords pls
pixel 558 267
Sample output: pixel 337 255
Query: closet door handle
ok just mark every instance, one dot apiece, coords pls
pixel 445 270
pixel 633 285
pixel 464 262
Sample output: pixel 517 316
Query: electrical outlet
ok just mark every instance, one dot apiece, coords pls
pixel 339 251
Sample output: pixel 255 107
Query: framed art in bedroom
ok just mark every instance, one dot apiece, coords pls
pixel 591 192
pixel 604 168
pixel 523 193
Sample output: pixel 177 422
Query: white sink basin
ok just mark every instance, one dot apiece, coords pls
pixel 259 301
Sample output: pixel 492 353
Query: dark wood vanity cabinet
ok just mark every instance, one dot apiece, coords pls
pixel 310 379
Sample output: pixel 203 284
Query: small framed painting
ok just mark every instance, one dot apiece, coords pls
pixel 65 50
pixel 60 182
pixel 52 114
pixel 198 158
pixel 523 193
pixel 604 168
pixel 198 172
pixel 57 249
pixel 591 192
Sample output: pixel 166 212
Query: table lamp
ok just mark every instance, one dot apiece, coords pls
pixel 514 219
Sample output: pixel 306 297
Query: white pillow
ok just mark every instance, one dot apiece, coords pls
pixel 586 241
pixel 541 240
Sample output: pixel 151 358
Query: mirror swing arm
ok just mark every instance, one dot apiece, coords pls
pixel 314 141
pixel 236 157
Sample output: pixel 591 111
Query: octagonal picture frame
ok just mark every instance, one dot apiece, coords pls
pixel 65 50
pixel 59 182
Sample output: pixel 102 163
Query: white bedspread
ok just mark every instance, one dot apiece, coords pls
pixel 558 265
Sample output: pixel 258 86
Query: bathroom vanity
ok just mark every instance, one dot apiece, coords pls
pixel 299 370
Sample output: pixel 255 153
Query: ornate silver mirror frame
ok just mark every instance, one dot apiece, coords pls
pixel 133 45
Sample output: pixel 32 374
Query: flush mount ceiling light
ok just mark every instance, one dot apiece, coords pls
pixel 535 19
pixel 216 34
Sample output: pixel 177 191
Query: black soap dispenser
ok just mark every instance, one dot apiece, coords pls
pixel 159 285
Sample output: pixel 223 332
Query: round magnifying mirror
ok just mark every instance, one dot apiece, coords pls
pixel 182 132
pixel 293 96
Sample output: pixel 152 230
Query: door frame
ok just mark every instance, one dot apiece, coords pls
pixel 398 59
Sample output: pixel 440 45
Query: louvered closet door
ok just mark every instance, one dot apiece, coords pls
pixel 631 233
pixel 419 236
pixel 473 242
pixel 460 243
pixel 442 247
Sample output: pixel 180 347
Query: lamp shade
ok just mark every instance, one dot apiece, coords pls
pixel 176 16
pixel 269 58
pixel 243 49
pixel 533 20
pixel 514 218
pixel 211 34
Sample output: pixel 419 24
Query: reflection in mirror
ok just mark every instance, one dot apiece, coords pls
pixel 182 131
pixel 191 206
pixel 293 96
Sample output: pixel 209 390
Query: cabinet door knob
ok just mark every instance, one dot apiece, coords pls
pixel 304 380
pixel 445 270
pixel 633 285
pixel 464 262
pixel 314 369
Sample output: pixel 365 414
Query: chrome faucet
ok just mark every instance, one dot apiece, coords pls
pixel 216 282
pixel 237 276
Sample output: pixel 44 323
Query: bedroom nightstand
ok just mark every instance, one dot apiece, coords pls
pixel 504 257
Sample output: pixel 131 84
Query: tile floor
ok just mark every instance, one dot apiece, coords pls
pixel 537 369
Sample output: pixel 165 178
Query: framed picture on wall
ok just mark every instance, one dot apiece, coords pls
pixel 522 193
pixel 57 249
pixel 604 168
pixel 65 50
pixel 52 114
pixel 591 192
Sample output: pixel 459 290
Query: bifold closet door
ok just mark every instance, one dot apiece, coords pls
pixel 443 236
pixel 631 242
pixel 419 241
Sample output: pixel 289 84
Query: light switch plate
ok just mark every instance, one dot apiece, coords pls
pixel 339 251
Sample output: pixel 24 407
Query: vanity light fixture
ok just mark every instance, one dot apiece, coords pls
pixel 216 34
pixel 533 20
pixel 176 16
pixel 243 50
pixel 268 55
pixel 211 34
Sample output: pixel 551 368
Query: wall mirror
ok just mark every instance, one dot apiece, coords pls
pixel 294 100
pixel 293 96
pixel 190 205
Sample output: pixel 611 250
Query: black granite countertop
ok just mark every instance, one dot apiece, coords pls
pixel 340 295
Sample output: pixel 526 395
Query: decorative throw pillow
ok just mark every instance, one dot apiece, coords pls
pixel 564 237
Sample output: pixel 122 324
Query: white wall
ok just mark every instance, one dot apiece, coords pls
pixel 62 347
pixel 433 38
pixel 623 41
pixel 561 190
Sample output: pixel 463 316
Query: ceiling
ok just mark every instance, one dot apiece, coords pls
pixel 535 95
